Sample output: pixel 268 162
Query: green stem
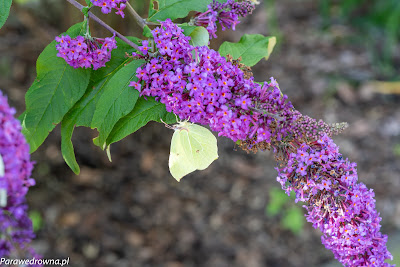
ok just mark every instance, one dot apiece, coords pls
pixel 86 23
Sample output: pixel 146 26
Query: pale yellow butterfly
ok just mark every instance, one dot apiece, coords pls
pixel 193 147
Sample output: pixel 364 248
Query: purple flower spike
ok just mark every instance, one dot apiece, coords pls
pixel 200 84
pixel 341 208
pixel 15 171
pixel 197 83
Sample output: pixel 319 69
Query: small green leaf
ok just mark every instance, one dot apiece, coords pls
pixel 251 47
pixel 5 6
pixel 281 204
pixel 173 9
pixel 85 11
pixel 89 3
pixel 294 219
pixel 277 199
pixel 199 37
pixel 117 100
pixel 396 150
pixel 187 29
pixel 55 90
pixel 36 219
pixel 147 32
pixel 143 112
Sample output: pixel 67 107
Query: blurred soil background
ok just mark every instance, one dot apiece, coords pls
pixel 336 60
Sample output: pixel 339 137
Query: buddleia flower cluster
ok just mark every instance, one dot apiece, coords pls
pixel 197 83
pixel 82 52
pixel 226 14
pixel 15 179
pixel 108 5
pixel 341 208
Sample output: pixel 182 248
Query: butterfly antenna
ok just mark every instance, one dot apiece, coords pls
pixel 176 117
pixel 167 125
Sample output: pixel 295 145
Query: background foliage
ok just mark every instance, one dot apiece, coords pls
pixel 378 26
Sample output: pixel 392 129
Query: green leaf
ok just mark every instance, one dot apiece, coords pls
pixel 117 100
pixel 277 199
pixel 199 37
pixel 88 3
pixel 5 6
pixel 187 29
pixel 147 32
pixel 82 113
pixel 396 150
pixel 85 11
pixel 37 220
pixel 251 47
pixel 143 112
pixel 173 9
pixel 55 90
pixel 294 219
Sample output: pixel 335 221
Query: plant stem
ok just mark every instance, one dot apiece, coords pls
pixel 139 20
pixel 102 23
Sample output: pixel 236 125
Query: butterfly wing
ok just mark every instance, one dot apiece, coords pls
pixel 180 160
pixel 193 147
pixel 203 145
